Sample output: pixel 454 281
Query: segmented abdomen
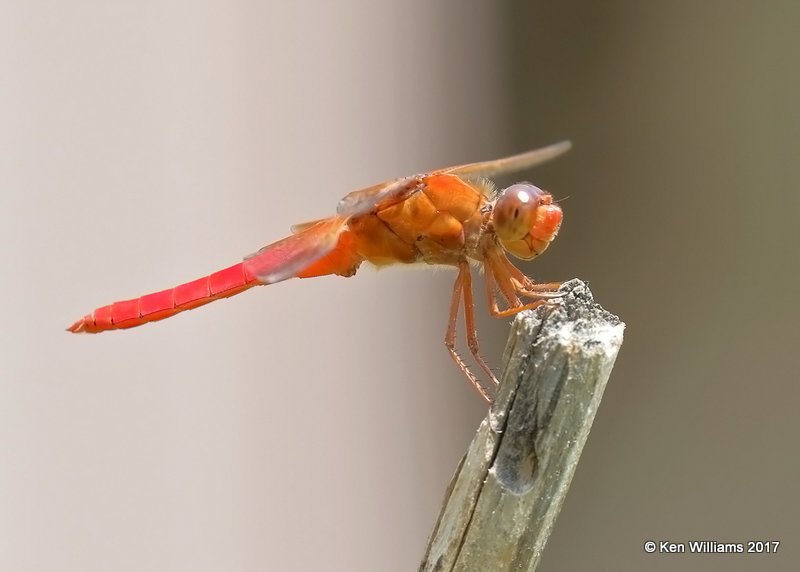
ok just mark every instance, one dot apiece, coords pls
pixel 160 305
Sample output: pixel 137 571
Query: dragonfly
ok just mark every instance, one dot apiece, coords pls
pixel 451 217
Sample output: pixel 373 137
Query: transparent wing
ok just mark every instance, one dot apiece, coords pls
pixel 301 226
pixel 288 257
pixel 365 200
pixel 511 164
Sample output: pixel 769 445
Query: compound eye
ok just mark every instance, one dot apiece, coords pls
pixel 515 210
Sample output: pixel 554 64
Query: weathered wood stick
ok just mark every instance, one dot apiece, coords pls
pixel 508 489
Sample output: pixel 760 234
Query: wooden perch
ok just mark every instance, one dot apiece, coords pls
pixel 508 489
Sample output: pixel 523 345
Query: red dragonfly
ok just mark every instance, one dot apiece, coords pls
pixel 452 217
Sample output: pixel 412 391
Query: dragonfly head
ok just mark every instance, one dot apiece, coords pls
pixel 525 220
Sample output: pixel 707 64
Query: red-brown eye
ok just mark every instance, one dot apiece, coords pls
pixel 515 211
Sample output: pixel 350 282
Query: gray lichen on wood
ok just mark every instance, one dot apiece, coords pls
pixel 508 489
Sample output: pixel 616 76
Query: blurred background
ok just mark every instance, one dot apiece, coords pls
pixel 315 425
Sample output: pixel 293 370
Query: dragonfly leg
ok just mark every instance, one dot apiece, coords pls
pixel 463 284
pixel 469 323
pixel 527 287
pixel 498 274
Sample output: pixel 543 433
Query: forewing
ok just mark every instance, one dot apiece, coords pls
pixel 302 226
pixel 288 257
pixel 510 164
pixel 364 201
